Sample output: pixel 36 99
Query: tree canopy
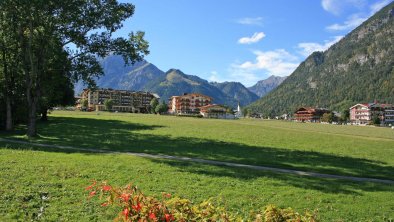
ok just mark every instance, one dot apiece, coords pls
pixel 48 45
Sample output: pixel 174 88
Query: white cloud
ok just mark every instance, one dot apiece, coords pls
pixel 352 22
pixel 379 5
pixel 337 7
pixel 235 74
pixel 307 48
pixel 257 36
pixel 251 21
pixel 278 62
pixel 246 77
pixel 214 77
pixel 356 19
pixel 331 6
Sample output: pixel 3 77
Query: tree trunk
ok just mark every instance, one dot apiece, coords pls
pixel 44 114
pixel 32 89
pixel 32 110
pixel 9 123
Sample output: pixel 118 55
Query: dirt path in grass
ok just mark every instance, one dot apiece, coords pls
pixel 211 162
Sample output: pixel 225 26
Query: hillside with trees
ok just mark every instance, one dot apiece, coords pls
pixel 359 68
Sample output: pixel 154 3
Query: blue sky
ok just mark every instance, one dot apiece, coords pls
pixel 244 41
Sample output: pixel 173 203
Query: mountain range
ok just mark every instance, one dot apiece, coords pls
pixel 357 69
pixel 265 86
pixel 144 76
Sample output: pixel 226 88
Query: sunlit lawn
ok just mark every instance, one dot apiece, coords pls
pixel 27 173
pixel 344 150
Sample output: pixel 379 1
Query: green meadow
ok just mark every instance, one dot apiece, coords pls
pixel 43 183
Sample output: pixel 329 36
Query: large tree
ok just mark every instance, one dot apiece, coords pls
pixel 82 29
pixel 9 63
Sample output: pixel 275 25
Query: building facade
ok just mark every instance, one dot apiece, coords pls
pixel 363 113
pixel 308 114
pixel 215 111
pixel 124 100
pixel 188 103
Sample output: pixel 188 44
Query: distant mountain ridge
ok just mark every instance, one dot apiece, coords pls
pixel 175 82
pixel 262 87
pixel 129 77
pixel 144 76
pixel 359 68
pixel 237 91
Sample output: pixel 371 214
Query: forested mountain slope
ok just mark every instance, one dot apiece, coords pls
pixel 359 68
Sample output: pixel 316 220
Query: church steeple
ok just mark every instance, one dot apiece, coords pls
pixel 239 111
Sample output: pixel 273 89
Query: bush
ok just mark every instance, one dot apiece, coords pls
pixel 135 206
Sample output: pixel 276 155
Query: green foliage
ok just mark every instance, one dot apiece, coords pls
pixel 275 214
pixel 135 206
pixel 345 115
pixel 376 119
pixel 84 103
pixel 108 103
pixel 329 117
pixel 359 68
pixel 153 104
pixel 246 112
pixel 162 108
pixel 38 35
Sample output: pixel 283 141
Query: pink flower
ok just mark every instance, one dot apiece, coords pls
pixel 107 188
pixel 91 186
pixel 137 207
pixel 169 217
pixel 152 216
pixel 125 197
pixel 91 194
pixel 126 212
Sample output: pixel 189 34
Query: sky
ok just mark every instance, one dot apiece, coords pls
pixel 242 40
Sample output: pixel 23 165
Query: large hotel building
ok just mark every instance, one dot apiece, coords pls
pixel 363 113
pixel 188 103
pixel 309 114
pixel 124 100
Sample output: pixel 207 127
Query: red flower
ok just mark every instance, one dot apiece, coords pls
pixel 91 194
pixel 137 207
pixel 91 186
pixel 107 188
pixel 104 204
pixel 169 217
pixel 152 216
pixel 126 212
pixel 125 197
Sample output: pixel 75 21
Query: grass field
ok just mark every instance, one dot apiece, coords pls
pixel 26 174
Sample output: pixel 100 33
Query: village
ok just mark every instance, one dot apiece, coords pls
pixel 199 105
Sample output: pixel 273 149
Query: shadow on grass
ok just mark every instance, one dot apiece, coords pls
pixel 122 136
pixel 280 179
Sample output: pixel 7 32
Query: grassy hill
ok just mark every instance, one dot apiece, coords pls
pixel 359 68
